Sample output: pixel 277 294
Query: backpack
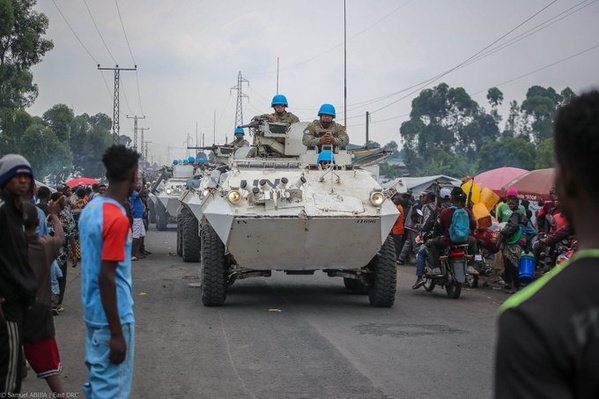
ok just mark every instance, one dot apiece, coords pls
pixel 459 230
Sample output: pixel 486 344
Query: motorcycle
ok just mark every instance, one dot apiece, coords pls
pixel 549 257
pixel 453 271
pixel 488 244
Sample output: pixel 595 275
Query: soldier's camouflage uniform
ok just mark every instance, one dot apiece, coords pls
pixel 285 117
pixel 314 131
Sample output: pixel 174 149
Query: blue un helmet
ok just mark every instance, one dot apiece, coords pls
pixel 191 159
pixel 201 160
pixel 239 130
pixel 175 162
pixel 327 109
pixel 279 99
pixel 326 156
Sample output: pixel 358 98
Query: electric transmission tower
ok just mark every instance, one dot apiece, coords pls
pixel 240 96
pixel 116 127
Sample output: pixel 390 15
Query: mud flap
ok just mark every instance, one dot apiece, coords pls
pixel 459 271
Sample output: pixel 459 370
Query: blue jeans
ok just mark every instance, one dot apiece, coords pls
pixel 421 261
pixel 106 379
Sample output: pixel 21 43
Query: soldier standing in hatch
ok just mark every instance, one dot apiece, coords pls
pixel 325 130
pixel 240 140
pixel 281 115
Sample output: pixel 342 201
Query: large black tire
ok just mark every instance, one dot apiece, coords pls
pixel 454 289
pixel 213 268
pixel 180 221
pixel 384 281
pixel 191 243
pixel 355 286
pixel 152 211
pixel 161 217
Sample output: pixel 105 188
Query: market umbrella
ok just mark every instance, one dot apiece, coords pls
pixel 84 181
pixel 534 185
pixel 495 179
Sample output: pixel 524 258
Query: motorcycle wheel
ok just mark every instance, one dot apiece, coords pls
pixel 429 284
pixel 472 281
pixel 454 290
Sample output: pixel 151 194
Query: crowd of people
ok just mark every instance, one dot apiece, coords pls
pixel 42 233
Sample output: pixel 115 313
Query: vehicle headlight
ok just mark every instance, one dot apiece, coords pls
pixel 377 198
pixel 169 191
pixel 234 197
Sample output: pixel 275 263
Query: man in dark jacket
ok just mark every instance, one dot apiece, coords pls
pixel 18 285
pixel 548 333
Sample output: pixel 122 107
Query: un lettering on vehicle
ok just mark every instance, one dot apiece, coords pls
pixel 256 182
pixel 363 221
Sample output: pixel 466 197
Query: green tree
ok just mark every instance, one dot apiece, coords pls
pixel 59 119
pixel 540 106
pixel 508 151
pixel 495 98
pixel 90 136
pixel 544 154
pixel 446 125
pixel 13 125
pixel 21 47
pixel 48 155
pixel 391 146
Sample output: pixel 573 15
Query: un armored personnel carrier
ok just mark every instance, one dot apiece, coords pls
pixel 165 192
pixel 275 208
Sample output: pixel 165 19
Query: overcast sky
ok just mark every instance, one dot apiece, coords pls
pixel 189 53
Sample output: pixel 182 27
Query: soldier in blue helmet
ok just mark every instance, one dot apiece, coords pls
pixel 240 140
pixel 325 158
pixel 325 131
pixel 279 104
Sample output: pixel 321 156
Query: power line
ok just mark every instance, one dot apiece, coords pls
pixel 98 30
pixel 74 34
pixel 130 52
pixel 543 67
pixel 543 25
pixel 124 33
pixel 466 60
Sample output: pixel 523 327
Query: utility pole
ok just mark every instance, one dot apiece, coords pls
pixel 135 118
pixel 367 126
pixel 240 96
pixel 116 127
pixel 143 154
pixel 146 151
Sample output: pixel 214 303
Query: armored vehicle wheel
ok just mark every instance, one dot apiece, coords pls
pixel 429 284
pixel 161 217
pixel 213 269
pixel 355 286
pixel 190 242
pixel 454 290
pixel 384 281
pixel 152 211
pixel 180 221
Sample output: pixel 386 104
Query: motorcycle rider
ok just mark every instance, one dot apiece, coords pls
pixel 429 227
pixel 439 243
pixel 279 103
pixel 418 218
pixel 325 131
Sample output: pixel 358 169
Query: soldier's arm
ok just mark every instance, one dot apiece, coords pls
pixel 343 139
pixel 309 139
pixel 293 118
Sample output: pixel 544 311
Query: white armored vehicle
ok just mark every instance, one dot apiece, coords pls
pixel 274 207
pixel 165 192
